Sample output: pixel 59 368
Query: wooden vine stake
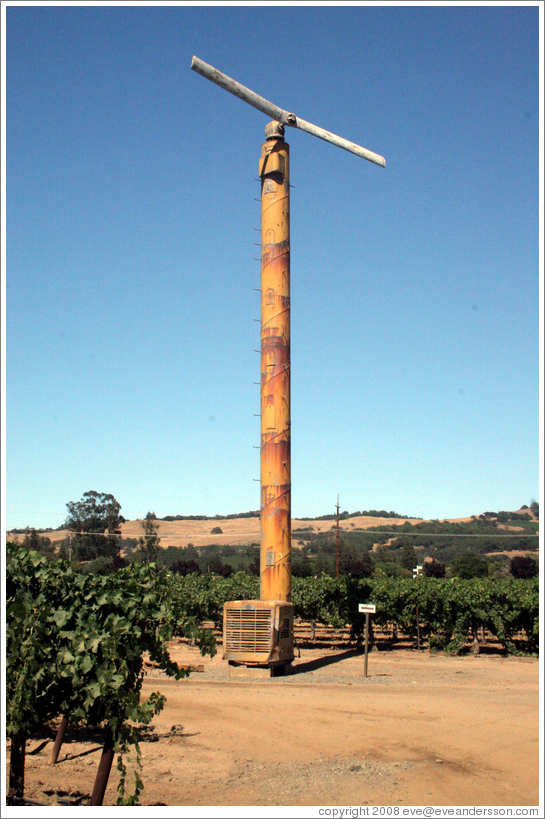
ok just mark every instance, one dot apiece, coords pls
pixel 17 766
pixel 58 740
pixel 104 768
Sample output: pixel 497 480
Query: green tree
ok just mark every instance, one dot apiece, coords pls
pixel 408 556
pixel 185 567
pixel 95 520
pixel 322 564
pixel 524 566
pixel 388 569
pixel 254 568
pixel 301 566
pixel 469 565
pixel 499 567
pixel 433 568
pixel 361 567
pixel 383 554
pixel 350 562
pixel 37 543
pixel 216 565
pixel 211 559
pixel 149 542
pixel 190 552
pixel 64 549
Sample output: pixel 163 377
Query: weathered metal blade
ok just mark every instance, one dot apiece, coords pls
pixel 279 114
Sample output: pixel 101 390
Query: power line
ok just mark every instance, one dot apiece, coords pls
pixel 443 534
pixel 26 512
pixel 295 535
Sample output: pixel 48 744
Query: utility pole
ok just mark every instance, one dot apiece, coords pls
pixel 247 623
pixel 337 550
pixel 275 367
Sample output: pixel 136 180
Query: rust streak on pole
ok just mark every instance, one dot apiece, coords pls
pixel 275 368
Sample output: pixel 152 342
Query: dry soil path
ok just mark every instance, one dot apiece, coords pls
pixel 420 730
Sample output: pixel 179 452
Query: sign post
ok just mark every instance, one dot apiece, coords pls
pixel 367 609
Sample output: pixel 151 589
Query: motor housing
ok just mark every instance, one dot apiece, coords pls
pixel 258 632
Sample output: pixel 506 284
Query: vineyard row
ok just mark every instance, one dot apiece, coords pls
pixel 75 643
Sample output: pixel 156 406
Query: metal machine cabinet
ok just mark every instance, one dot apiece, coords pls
pixel 258 632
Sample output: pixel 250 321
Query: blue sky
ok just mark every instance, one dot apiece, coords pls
pixel 131 191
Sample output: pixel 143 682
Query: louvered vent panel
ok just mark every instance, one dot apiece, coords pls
pixel 285 630
pixel 248 630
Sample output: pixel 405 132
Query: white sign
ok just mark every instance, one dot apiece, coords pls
pixel 367 608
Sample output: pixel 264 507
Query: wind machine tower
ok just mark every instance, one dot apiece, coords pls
pixel 258 634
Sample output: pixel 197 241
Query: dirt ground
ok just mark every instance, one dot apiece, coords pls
pixel 421 729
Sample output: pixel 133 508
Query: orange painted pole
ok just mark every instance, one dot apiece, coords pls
pixel 275 367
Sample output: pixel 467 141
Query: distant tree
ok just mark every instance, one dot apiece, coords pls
pixel 524 566
pixel 117 563
pixel 128 545
pixel 37 543
pixel 347 555
pixel 383 554
pixel 322 565
pixel 432 568
pixel 216 531
pixel 389 569
pixel 534 507
pixel 99 565
pixel 225 570
pixel 408 556
pixel 468 565
pixel 301 566
pixel 211 550
pixel 499 567
pixel 190 552
pixel 95 519
pixel 148 543
pixel 215 564
pixel 255 567
pixel 64 553
pixel 185 567
pixel 362 567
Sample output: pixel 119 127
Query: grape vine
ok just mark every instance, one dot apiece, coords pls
pixel 75 646
pixel 445 612
pixel 75 642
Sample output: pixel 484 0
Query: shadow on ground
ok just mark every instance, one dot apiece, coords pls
pixel 322 662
